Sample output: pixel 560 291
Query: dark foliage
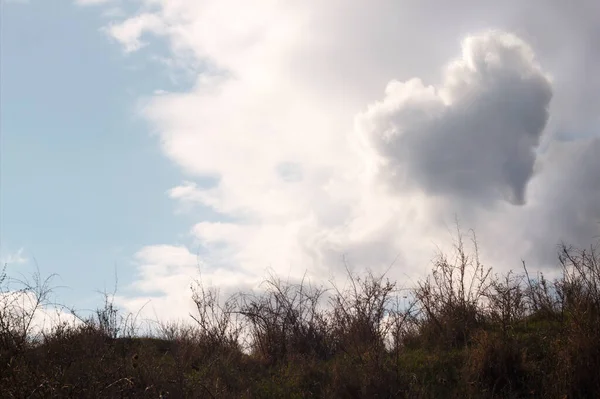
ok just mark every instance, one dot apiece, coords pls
pixel 462 332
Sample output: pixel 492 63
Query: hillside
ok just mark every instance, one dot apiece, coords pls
pixel 463 332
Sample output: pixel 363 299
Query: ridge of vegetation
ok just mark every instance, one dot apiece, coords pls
pixel 462 332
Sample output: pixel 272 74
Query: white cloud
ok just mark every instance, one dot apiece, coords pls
pixel 129 33
pixel 271 120
pixel 31 314
pixel 164 289
pixel 17 257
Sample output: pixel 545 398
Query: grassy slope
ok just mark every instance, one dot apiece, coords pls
pixel 506 337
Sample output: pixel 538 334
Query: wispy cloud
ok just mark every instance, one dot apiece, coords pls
pixel 14 258
pixel 129 33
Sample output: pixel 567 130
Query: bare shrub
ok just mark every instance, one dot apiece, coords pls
pixel 19 308
pixel 579 289
pixel 507 301
pixel 450 299
pixel 542 296
pixel 361 313
pixel 109 320
pixel 218 323
pixel 579 293
pixel 286 320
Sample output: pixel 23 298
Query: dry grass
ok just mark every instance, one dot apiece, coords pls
pixel 464 333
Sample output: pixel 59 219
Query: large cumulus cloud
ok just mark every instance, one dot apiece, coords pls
pixel 565 198
pixel 474 137
pixel 292 177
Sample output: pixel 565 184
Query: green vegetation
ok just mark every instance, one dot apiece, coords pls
pixel 463 332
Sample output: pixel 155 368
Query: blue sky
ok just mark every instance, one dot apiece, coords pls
pixel 83 180
pixel 322 134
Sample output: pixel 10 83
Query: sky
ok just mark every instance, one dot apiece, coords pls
pixel 163 140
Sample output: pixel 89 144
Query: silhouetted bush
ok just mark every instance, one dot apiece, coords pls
pixel 462 332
